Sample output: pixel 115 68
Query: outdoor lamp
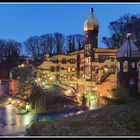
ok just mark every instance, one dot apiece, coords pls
pixel 78 94
pixel 27 107
pixel 9 100
pixel 18 103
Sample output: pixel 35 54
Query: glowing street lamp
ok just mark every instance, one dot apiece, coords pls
pixel 18 103
pixel 38 79
pixel 22 65
pixel 68 92
pixel 78 94
pixel 27 107
pixel 10 100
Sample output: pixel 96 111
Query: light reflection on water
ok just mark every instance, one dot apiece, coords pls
pixel 11 122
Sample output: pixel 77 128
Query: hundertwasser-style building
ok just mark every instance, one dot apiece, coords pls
pixel 89 64
pixel 93 70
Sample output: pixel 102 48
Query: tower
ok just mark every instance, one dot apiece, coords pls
pixel 91 27
pixel 128 57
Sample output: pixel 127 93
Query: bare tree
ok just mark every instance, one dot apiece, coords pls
pixel 119 29
pixel 47 43
pixel 9 56
pixel 59 42
pixel 70 43
pixel 79 41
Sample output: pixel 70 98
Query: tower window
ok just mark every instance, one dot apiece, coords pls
pixel 125 66
pixel 118 67
pixel 132 65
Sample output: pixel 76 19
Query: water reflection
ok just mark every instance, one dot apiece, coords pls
pixel 11 122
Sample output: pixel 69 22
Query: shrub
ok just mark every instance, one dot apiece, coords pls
pixel 120 96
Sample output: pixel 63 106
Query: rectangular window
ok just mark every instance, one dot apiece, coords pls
pixel 69 69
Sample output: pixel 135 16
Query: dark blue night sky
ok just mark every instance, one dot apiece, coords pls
pixel 20 21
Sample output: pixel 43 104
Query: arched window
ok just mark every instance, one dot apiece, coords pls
pixel 133 65
pixel 125 66
pixel 73 69
pixel 65 76
pixel 118 67
pixel 69 69
pixel 68 76
pixel 72 76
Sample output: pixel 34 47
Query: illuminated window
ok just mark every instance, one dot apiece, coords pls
pixel 68 76
pixel 73 69
pixel 89 59
pixel 68 69
pixel 65 76
pixel 125 66
pixel 72 61
pixel 132 65
pixel 118 67
pixel 72 76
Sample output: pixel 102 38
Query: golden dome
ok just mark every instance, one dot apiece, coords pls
pixel 91 23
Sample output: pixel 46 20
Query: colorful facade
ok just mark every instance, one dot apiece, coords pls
pixel 71 66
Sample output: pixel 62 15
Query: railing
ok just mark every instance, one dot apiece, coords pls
pixel 66 86
pixel 102 78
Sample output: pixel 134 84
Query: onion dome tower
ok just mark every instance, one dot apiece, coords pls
pixel 128 57
pixel 91 28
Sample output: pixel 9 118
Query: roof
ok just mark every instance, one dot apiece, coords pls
pixel 128 48
pixel 91 23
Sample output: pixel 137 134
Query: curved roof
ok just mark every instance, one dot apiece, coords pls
pixel 91 23
pixel 124 50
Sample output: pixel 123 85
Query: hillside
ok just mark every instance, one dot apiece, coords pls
pixel 114 120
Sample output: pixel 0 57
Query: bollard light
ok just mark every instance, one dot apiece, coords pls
pixel 18 103
pixel 10 100
pixel 27 107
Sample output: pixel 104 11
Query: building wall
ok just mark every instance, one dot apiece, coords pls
pixel 68 64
